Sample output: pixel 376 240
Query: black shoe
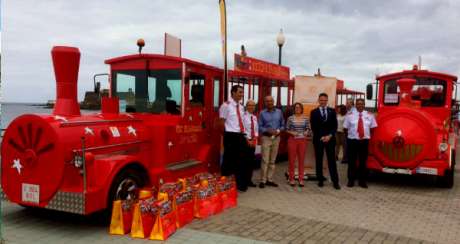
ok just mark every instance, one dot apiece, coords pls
pixel 261 185
pixel 337 186
pixel 301 185
pixel 320 183
pixel 350 184
pixel 251 184
pixel 344 162
pixel 242 189
pixel 292 184
pixel 363 184
pixel 271 183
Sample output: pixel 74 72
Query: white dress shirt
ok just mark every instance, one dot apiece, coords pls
pixel 227 111
pixel 351 123
pixel 247 117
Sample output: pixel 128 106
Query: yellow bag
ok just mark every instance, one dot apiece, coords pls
pixel 165 223
pixel 116 222
pixel 143 217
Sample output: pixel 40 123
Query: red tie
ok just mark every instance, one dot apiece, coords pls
pixel 240 121
pixel 360 126
pixel 253 133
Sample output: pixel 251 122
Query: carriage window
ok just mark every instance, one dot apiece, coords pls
pixel 430 92
pixel 284 96
pixel 216 94
pixel 255 90
pixel 275 94
pixel 155 91
pixel 196 94
pixel 246 95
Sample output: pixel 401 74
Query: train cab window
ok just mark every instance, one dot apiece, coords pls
pixel 126 91
pixel 391 91
pixel 430 92
pixel 196 90
pixel 155 91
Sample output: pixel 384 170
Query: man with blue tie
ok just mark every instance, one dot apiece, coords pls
pixel 324 126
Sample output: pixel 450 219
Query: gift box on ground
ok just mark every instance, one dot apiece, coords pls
pixel 228 192
pixel 183 203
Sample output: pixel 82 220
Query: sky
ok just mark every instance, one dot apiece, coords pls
pixel 352 40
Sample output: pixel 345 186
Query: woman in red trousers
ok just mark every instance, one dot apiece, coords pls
pixel 298 127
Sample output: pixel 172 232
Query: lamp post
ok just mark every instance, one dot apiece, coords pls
pixel 280 40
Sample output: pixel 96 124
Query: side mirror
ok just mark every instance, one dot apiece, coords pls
pixel 369 94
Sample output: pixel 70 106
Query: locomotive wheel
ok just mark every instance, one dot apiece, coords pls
pixel 125 184
pixel 447 181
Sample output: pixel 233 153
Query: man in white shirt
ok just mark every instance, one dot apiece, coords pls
pixel 350 105
pixel 252 135
pixel 358 125
pixel 235 143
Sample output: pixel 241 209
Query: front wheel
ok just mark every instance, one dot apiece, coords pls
pixel 447 181
pixel 125 186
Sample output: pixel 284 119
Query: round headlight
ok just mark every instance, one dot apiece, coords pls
pixel 443 147
pixel 78 161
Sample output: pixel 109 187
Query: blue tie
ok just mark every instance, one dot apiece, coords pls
pixel 324 113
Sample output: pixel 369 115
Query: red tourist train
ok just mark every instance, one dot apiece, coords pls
pixel 417 111
pixel 159 123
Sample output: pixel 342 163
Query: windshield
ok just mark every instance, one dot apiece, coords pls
pixel 431 92
pixel 158 92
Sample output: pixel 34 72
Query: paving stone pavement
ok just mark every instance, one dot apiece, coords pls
pixel 395 209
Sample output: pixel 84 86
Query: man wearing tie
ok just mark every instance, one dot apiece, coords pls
pixel 252 133
pixel 358 126
pixel 235 143
pixel 324 126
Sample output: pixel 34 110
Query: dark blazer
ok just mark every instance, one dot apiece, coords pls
pixel 322 128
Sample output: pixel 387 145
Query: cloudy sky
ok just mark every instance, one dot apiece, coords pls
pixel 352 40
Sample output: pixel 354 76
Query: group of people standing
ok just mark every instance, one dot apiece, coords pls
pixel 243 130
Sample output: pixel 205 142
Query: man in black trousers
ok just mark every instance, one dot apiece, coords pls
pixel 231 114
pixel 324 126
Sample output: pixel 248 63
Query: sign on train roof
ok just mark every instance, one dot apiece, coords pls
pixel 243 63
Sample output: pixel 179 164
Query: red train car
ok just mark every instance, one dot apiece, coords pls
pixel 416 124
pixel 158 124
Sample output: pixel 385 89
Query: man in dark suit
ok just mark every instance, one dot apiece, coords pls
pixel 324 126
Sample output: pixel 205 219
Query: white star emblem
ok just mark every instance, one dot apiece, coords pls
pixel 57 117
pixel 89 131
pixel 131 130
pixel 17 165
pixel 399 133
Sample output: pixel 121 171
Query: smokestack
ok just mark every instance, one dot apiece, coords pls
pixel 405 89
pixel 66 62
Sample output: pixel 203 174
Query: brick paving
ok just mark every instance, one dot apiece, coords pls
pixel 395 209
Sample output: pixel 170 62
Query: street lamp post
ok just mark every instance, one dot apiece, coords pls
pixel 280 40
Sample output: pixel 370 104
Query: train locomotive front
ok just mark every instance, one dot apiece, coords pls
pixel 80 163
pixel 416 125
